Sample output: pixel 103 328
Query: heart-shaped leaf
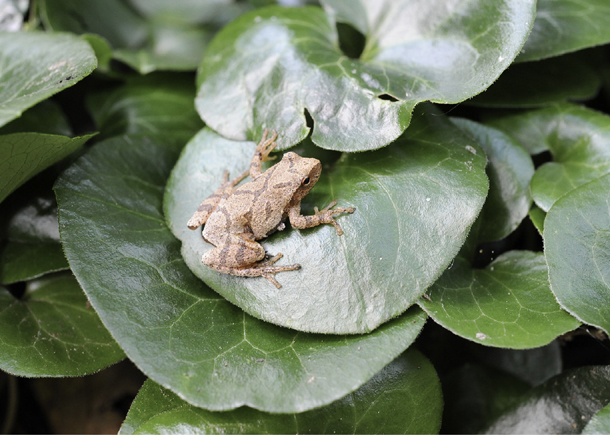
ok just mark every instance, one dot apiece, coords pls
pixel 507 304
pixel 578 138
pixel 174 328
pixel 395 245
pixel 563 26
pixel 535 84
pixel 600 423
pixel 563 404
pixel 153 104
pixel 405 397
pixel 52 331
pixel 269 66
pixel 23 155
pixel 37 65
pixel 577 249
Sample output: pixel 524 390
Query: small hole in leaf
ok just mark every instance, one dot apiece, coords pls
pixel 351 41
pixel 308 120
pixel 387 97
pixel 17 289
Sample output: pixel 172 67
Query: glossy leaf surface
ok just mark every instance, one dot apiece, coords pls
pixel 36 65
pixel 507 304
pixel 174 328
pixel 395 245
pixel 23 155
pixel 578 138
pixel 280 62
pixel 404 397
pixel 563 404
pixel 52 331
pixel 577 249
pixel 563 26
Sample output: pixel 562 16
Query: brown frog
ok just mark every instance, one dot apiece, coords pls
pixel 235 217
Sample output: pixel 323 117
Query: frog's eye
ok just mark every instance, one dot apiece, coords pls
pixel 306 181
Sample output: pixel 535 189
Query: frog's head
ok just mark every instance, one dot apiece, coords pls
pixel 304 171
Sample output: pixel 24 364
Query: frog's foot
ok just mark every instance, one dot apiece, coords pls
pixel 265 146
pixel 264 268
pixel 268 271
pixel 326 215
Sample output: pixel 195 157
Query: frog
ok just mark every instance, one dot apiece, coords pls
pixel 236 216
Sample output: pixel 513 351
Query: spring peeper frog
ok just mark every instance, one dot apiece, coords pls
pixel 235 217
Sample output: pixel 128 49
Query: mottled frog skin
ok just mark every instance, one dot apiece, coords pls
pixel 236 217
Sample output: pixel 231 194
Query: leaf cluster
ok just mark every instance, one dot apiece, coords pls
pixel 469 291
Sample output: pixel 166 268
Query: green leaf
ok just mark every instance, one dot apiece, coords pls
pixel 395 245
pixel 563 404
pixel 25 261
pixel 537 216
pixel 578 138
pixel 507 304
pixel 216 12
pixel 476 394
pixel 170 46
pixel 28 223
pixel 280 62
pixel 174 328
pixel 535 84
pixel 37 65
pixel 44 117
pixel 404 397
pixel 577 249
pixel 600 423
pixel 163 42
pixel 51 331
pixel 563 26
pixel 112 19
pixel 102 50
pixel 153 104
pixel 510 170
pixel 23 155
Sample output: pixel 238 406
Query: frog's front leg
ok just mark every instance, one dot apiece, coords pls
pixel 208 205
pixel 240 255
pixel 261 154
pixel 324 216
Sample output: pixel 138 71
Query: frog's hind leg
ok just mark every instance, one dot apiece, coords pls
pixel 241 256
pixel 208 205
